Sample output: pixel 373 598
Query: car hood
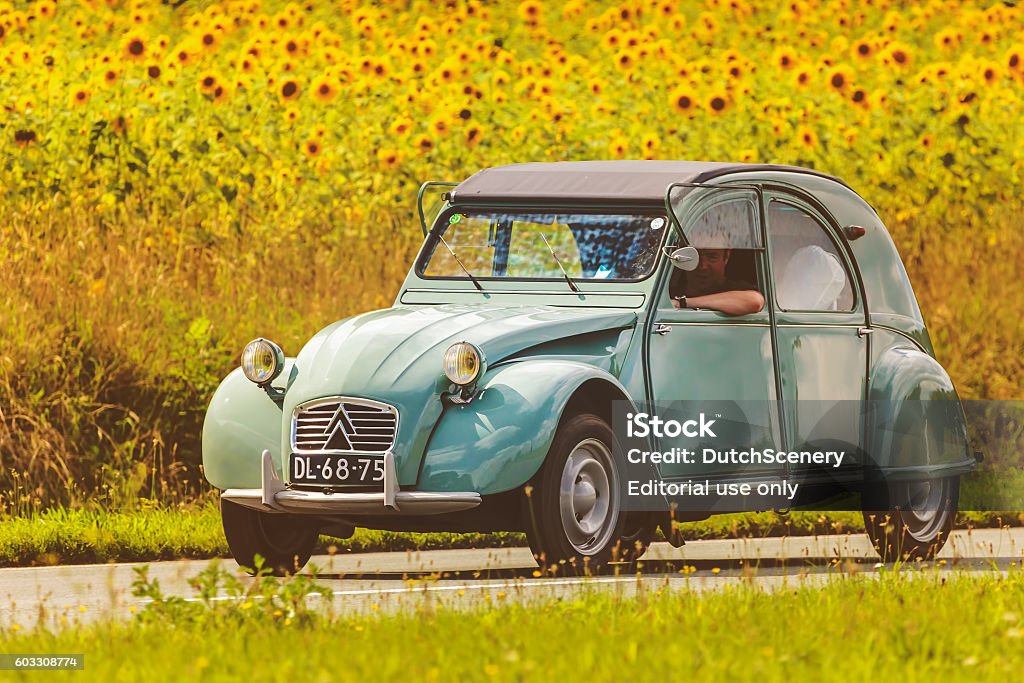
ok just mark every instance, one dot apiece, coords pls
pixel 396 356
pixel 382 350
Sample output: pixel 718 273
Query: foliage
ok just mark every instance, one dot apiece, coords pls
pixel 180 177
pixel 63 536
pixel 852 627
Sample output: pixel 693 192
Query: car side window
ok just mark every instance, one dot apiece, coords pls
pixel 725 232
pixel 807 268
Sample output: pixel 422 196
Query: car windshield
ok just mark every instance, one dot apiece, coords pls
pixel 537 245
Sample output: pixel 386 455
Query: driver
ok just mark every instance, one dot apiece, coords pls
pixel 708 287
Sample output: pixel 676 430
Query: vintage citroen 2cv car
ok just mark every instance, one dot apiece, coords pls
pixel 544 295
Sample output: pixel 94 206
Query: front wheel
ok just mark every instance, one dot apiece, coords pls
pixel 911 520
pixel 285 542
pixel 573 506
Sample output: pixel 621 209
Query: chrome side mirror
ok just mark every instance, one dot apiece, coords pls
pixel 685 258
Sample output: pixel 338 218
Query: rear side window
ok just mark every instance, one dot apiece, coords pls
pixel 808 270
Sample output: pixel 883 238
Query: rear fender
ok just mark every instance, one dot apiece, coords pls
pixel 917 424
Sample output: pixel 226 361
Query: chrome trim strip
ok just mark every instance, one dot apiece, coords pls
pixel 561 292
pixel 704 323
pixel 273 496
pixel 850 325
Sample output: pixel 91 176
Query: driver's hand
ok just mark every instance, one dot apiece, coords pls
pixel 675 304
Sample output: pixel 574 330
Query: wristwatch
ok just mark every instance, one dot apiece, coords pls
pixel 681 299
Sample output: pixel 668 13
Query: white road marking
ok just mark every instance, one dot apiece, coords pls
pixel 426 588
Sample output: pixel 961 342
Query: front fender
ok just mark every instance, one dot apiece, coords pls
pixel 241 422
pixel 499 441
pixel 917 424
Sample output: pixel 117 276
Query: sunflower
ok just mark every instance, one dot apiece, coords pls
pixel 839 78
pixel 323 90
pixel 220 93
pixel 625 60
pixel 134 47
pixel 473 135
pixel 735 72
pixel 650 143
pixel 806 137
pixel 717 103
pixel 209 41
pixel 530 11
pixel 802 78
pixel 402 126
pixel 312 148
pixel 862 49
pixel 423 144
pixel 440 126
pixel 45 9
pixel 747 156
pixel 612 39
pixel 183 55
pixel 784 58
pixel 1014 59
pixel 153 71
pixel 389 158
pixel 206 83
pixel 947 39
pixel 990 72
pixel 79 97
pixel 618 147
pixel 859 96
pixel 289 90
pixel 898 55
pixel 683 100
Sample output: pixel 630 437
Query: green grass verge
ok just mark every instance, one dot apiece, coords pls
pixel 63 536
pixel 892 626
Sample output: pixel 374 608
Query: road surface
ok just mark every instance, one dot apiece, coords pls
pixel 407 580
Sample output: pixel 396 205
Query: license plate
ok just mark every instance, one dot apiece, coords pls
pixel 348 470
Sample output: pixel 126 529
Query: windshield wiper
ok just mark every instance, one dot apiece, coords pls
pixel 476 283
pixel 572 285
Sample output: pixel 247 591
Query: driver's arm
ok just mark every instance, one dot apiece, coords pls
pixel 738 302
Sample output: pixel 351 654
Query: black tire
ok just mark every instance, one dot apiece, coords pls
pixel 911 520
pixel 285 542
pixel 638 532
pixel 588 503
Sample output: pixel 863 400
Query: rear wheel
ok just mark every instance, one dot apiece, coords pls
pixel 573 506
pixel 285 542
pixel 911 520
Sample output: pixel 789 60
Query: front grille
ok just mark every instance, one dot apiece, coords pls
pixel 344 425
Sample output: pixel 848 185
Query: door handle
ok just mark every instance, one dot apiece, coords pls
pixel 662 329
pixel 864 331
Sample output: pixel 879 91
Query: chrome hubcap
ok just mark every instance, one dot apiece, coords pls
pixel 588 500
pixel 927 509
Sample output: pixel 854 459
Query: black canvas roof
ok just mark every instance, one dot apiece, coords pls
pixel 613 181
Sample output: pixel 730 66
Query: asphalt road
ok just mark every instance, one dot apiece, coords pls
pixel 410 580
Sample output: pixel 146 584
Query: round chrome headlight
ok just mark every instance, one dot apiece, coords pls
pixel 463 363
pixel 262 361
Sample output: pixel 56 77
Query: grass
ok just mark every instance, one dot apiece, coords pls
pixel 898 625
pixel 66 536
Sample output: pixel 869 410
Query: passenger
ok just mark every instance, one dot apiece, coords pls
pixel 708 287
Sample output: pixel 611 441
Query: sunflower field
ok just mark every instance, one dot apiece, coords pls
pixel 181 176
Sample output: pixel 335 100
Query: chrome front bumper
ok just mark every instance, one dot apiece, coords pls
pixel 275 496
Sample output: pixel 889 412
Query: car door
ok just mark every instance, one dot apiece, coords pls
pixel 704 361
pixel 821 341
